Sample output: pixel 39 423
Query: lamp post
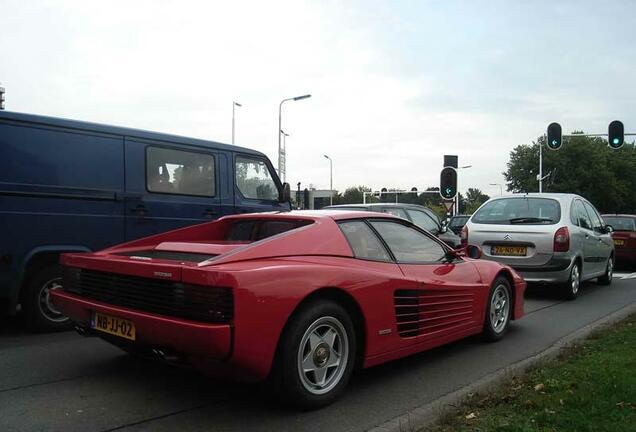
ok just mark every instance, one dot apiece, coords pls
pixel 283 151
pixel 330 180
pixel 281 166
pixel 234 105
pixel 500 187
pixel 457 197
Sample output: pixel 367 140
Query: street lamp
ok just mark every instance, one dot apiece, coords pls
pixel 283 150
pixel 330 180
pixel 457 197
pixel 281 172
pixel 500 187
pixel 234 105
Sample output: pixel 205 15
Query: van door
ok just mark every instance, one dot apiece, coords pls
pixel 257 186
pixel 169 186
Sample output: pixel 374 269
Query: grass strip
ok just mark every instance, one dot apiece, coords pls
pixel 589 387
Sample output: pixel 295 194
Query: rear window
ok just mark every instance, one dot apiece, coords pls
pixel 254 230
pixel 621 223
pixel 528 211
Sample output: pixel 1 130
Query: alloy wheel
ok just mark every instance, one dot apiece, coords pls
pixel 499 308
pixel 323 355
pixel 575 279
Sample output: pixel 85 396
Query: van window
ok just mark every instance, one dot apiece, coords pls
pixel 180 172
pixel 254 180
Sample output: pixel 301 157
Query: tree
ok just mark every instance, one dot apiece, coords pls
pixel 584 166
pixel 474 199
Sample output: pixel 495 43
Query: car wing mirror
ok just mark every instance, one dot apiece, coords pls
pixel 470 251
pixel 609 229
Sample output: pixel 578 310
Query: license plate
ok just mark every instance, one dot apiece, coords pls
pixel 509 250
pixel 619 242
pixel 113 325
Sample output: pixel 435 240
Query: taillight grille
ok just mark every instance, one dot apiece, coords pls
pixel 174 299
pixel 419 312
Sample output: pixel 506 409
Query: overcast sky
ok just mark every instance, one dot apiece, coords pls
pixel 395 85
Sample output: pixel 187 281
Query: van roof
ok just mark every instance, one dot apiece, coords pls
pixel 118 130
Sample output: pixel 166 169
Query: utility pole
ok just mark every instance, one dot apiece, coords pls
pixel 234 104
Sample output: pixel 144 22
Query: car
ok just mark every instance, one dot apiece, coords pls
pixel 624 235
pixel 71 186
pixel 457 222
pixel 421 216
pixel 549 238
pixel 299 298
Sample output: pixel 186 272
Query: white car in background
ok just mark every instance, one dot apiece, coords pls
pixel 549 238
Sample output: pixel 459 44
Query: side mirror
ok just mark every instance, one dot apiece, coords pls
pixel 285 193
pixel 443 229
pixel 609 229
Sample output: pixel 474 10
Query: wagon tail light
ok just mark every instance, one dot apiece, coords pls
pixel 562 240
pixel 464 236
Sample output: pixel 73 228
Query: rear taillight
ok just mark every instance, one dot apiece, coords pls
pixel 562 240
pixel 464 236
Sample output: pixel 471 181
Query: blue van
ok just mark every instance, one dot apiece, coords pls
pixel 69 186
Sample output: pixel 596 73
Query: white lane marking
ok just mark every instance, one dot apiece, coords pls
pixel 625 275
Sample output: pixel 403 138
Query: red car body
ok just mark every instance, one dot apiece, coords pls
pixel 269 279
pixel 624 239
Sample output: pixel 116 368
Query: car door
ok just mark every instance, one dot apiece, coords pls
pixel 168 186
pixel 602 239
pixel 584 239
pixel 450 296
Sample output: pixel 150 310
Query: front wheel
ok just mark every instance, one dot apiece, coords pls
pixel 606 279
pixel 498 310
pixel 317 354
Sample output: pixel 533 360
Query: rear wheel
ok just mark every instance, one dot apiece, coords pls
pixel 498 310
pixel 316 356
pixel 40 313
pixel 572 286
pixel 606 279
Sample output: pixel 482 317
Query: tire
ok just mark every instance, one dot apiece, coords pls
pixel 572 287
pixel 606 279
pixel 318 336
pixel 498 310
pixel 40 314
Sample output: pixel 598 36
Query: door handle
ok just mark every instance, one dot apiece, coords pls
pixel 209 213
pixel 140 211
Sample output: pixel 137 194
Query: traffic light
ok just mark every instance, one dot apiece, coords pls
pixel 1 98
pixel 616 134
pixel 448 183
pixel 554 136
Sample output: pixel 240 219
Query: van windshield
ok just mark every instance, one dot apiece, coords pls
pixel 521 210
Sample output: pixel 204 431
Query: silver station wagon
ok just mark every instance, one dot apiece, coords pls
pixel 548 238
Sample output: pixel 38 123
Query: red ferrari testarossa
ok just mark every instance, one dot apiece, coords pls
pixel 301 298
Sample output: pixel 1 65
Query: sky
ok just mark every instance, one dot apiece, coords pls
pixel 395 85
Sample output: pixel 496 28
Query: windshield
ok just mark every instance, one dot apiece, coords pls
pixel 458 221
pixel 621 223
pixel 509 211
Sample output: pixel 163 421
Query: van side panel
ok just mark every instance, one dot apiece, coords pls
pixel 59 188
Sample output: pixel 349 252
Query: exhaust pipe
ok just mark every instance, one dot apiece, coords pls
pixel 82 331
pixel 165 355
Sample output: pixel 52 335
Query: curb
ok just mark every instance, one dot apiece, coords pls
pixel 428 414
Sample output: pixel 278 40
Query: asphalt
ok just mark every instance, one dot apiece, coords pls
pixel 66 382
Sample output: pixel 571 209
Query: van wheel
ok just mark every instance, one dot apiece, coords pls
pixel 316 356
pixel 40 313
pixel 606 279
pixel 572 286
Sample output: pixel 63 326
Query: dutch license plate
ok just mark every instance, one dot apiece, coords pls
pixel 509 250
pixel 113 325
pixel 619 242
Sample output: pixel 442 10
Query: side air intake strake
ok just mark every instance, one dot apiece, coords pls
pixel 420 312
